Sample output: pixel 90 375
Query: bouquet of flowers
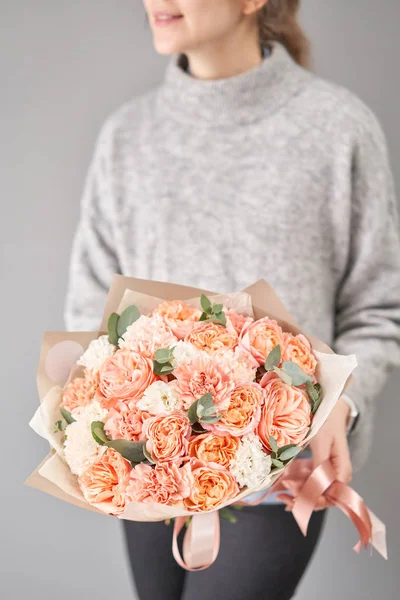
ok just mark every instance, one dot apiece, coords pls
pixel 185 402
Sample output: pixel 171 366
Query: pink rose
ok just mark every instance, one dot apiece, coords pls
pixel 178 316
pixel 125 422
pixel 147 335
pixel 126 375
pixel 236 320
pixel 167 436
pixel 260 337
pixel 201 376
pixel 297 349
pixel 166 483
pixel 212 486
pixel 286 413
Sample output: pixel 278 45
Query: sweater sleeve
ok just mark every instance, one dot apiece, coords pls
pixel 93 258
pixel 368 298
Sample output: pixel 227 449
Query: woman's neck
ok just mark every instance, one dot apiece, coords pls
pixel 223 59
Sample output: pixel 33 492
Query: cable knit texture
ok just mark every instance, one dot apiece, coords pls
pixel 274 173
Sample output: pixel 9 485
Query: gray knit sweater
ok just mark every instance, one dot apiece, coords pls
pixel 274 174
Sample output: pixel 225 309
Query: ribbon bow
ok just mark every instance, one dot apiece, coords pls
pixel 302 487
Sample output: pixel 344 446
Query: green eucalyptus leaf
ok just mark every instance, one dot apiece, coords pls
pixel 295 372
pixel 112 328
pixel 192 412
pixel 203 317
pixel 164 355
pixel 60 426
pixel 273 443
pixel 197 428
pixel 277 463
pixel 132 451
pixel 284 376
pixel 207 401
pixel 129 316
pixel 217 308
pixel 210 419
pixel 316 406
pixel 162 369
pixel 220 318
pixel 205 303
pixel 67 416
pixel 289 453
pixel 148 456
pixel 312 392
pixel 273 358
pixel 97 428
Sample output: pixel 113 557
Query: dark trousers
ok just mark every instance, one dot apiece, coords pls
pixel 262 556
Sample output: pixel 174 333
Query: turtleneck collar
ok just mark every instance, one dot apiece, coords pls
pixel 243 98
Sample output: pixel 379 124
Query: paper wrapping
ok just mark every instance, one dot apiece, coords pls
pixel 60 351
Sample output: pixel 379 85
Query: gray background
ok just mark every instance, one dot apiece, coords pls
pixel 63 67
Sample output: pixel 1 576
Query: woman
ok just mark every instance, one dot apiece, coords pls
pixel 243 165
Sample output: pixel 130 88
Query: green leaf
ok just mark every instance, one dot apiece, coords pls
pixel 192 412
pixel 60 426
pixel 273 358
pixel 277 463
pixel 316 406
pixel 203 317
pixel 132 451
pixel 288 453
pixel 237 506
pixel 162 369
pixel 312 392
pixel 220 317
pixel 205 303
pixel 112 328
pixel 164 355
pixel 217 308
pixel 197 428
pixel 284 376
pixel 273 444
pixel 295 372
pixel 148 455
pixel 225 513
pixel 67 416
pixel 211 419
pixel 129 316
pixel 207 401
pixel 97 428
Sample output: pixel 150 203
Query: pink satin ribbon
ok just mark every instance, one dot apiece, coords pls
pixel 302 488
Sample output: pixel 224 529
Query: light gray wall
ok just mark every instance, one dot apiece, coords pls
pixel 63 67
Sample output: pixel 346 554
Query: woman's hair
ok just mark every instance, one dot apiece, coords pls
pixel 278 21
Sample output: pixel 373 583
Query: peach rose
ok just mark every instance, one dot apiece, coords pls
pixel 178 316
pixel 166 483
pixel 167 436
pixel 236 320
pixel 286 413
pixel 126 375
pixel 211 337
pixel 147 335
pixel 125 422
pixel 80 391
pixel 243 413
pixel 260 337
pixel 212 486
pixel 201 376
pixel 297 348
pixel 104 483
pixel 208 447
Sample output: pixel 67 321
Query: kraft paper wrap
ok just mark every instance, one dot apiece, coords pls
pixel 60 351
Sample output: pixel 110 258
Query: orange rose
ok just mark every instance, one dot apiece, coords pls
pixel 286 413
pixel 212 486
pixel 126 374
pixel 104 483
pixel 208 447
pixel 243 413
pixel 80 391
pixel 167 436
pixel 211 337
pixel 297 348
pixel 260 337
pixel 179 317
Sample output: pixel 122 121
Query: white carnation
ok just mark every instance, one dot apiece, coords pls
pixel 159 398
pixel 80 448
pixel 96 353
pixel 185 353
pixel 251 466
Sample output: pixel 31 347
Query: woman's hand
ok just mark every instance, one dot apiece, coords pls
pixel 331 442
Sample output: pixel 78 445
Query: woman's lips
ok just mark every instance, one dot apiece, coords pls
pixel 164 19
